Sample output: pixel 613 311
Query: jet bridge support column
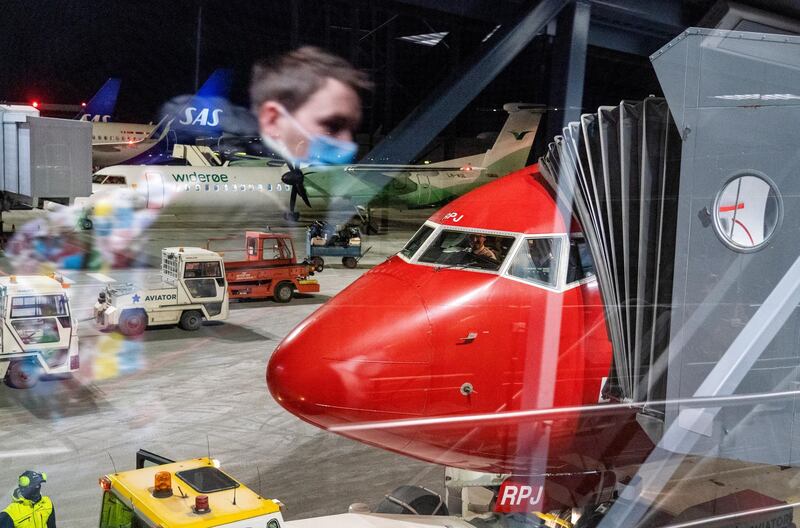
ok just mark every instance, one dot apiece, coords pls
pixel 569 66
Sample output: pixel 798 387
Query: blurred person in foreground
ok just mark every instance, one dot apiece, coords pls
pixel 308 106
pixel 29 508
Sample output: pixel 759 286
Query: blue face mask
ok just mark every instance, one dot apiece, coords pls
pixel 325 150
pixel 322 149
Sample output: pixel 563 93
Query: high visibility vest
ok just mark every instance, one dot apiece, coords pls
pixel 26 514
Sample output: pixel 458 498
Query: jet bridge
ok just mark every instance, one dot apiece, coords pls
pixel 43 158
pixel 691 206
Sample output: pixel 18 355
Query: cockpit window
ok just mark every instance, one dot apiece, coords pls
pixel 416 241
pixel 581 264
pixel 536 261
pixel 106 179
pixel 468 250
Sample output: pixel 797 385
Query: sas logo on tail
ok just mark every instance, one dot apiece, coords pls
pixel 96 118
pixel 204 117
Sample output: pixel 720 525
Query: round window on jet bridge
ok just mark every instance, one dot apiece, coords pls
pixel 747 212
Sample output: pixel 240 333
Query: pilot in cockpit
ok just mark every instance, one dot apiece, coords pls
pixel 478 247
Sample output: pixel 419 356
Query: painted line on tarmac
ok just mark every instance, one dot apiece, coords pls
pixel 101 277
pixel 34 452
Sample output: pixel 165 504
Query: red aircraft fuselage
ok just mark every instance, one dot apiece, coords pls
pixel 481 369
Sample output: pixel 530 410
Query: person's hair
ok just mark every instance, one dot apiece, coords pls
pixel 292 78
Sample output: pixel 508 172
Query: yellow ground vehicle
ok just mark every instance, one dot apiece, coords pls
pixel 193 493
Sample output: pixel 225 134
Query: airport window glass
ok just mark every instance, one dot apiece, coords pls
pixel 536 261
pixel 417 241
pixel 39 306
pixel 581 264
pixel 468 250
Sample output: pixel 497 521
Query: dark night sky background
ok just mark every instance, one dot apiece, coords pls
pixel 62 51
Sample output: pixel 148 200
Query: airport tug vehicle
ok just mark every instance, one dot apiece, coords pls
pixel 193 289
pixel 196 493
pixel 192 493
pixel 39 331
pixel 270 269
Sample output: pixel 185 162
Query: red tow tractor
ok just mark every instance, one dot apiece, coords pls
pixel 270 269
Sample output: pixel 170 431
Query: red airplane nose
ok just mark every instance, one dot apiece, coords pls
pixel 364 356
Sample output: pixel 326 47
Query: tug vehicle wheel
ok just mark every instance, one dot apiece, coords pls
pixel 349 262
pixel 191 320
pixel 132 322
pixel 23 374
pixel 283 292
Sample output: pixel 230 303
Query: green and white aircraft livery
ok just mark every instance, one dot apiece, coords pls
pixel 208 186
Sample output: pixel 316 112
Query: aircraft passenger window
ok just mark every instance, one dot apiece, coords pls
pixel 581 264
pixel 537 261
pixel 242 187
pixel 188 187
pixel 260 187
pixel 216 187
pixel 269 186
pixel 416 241
pixel 197 187
pixel 226 187
pixel 468 250
pixel 278 187
pixel 208 187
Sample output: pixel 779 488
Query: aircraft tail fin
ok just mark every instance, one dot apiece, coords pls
pixel 513 145
pixel 218 85
pixel 200 115
pixel 101 106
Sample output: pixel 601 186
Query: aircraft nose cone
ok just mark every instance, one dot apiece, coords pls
pixel 364 356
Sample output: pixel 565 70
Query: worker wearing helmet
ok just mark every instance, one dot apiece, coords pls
pixel 29 509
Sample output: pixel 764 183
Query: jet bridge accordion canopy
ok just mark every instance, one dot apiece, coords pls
pixel 691 207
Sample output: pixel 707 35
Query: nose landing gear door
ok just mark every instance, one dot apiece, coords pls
pixel 155 190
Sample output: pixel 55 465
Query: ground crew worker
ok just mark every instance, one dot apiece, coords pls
pixel 29 509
